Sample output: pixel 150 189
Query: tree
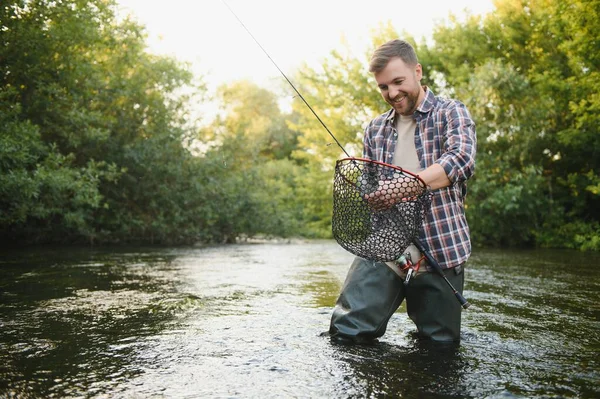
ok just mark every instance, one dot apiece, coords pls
pixel 528 72
pixel 94 128
pixel 254 180
pixel 43 189
pixel 531 83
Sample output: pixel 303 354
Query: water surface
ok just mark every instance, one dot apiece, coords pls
pixel 246 321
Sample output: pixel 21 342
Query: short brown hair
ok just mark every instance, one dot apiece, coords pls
pixel 392 49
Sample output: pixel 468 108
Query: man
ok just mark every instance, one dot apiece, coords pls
pixel 434 138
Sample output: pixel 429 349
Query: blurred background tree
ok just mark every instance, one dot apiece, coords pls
pixel 98 142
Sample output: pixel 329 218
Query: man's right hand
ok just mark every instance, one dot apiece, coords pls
pixel 390 192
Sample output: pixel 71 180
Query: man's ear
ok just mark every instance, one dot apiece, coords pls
pixel 419 71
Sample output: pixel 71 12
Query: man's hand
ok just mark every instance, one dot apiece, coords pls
pixel 390 192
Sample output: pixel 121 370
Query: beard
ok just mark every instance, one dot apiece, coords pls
pixel 408 105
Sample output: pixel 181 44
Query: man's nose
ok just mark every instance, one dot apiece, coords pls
pixel 393 91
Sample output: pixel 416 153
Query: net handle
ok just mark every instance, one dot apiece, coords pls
pixel 398 168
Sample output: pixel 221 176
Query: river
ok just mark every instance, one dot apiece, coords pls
pixel 246 321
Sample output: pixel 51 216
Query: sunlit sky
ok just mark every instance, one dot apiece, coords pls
pixel 206 34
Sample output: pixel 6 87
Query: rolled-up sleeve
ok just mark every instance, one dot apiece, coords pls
pixel 458 158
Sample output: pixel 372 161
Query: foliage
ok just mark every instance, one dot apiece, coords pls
pixel 508 195
pixel 92 129
pixel 97 143
pixel 41 190
pixel 531 84
pixel 529 74
pixel 249 149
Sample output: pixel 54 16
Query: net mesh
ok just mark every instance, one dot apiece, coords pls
pixel 366 228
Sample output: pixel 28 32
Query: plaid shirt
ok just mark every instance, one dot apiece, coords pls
pixel 445 134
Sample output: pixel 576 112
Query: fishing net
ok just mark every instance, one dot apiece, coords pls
pixel 378 208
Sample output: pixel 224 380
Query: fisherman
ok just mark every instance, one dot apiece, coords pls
pixel 433 137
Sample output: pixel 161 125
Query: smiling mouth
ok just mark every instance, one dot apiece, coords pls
pixel 398 100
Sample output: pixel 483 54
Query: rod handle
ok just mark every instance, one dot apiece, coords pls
pixel 436 266
pixel 463 302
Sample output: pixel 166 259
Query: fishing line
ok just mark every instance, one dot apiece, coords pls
pixel 286 78
pixel 357 226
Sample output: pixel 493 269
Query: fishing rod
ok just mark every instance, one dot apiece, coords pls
pixel 286 78
pixel 358 164
pixel 382 234
pixel 438 269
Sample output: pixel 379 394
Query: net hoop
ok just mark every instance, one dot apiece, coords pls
pixel 366 229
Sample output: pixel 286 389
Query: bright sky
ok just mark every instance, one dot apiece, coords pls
pixel 205 33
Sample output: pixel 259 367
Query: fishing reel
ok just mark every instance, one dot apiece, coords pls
pixel 404 262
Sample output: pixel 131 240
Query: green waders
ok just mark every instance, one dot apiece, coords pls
pixel 372 293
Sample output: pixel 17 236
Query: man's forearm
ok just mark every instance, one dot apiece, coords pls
pixel 435 177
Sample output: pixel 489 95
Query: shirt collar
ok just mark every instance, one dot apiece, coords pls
pixel 428 102
pixel 389 117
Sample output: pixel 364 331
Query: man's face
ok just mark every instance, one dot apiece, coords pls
pixel 400 86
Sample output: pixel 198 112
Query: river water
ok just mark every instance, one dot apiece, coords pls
pixel 246 321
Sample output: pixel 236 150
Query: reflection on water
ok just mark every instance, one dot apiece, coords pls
pixel 247 321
